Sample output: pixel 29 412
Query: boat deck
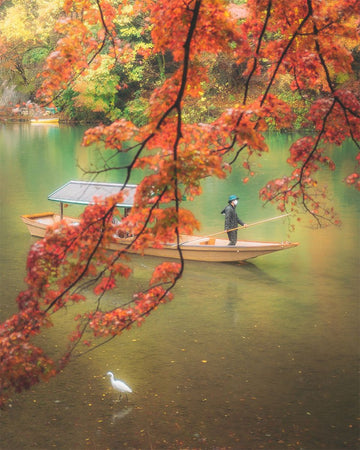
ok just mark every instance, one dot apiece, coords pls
pixel 216 242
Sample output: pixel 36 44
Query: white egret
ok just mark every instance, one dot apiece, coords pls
pixel 119 385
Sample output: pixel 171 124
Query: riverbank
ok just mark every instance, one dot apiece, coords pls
pixel 27 111
pixel 11 114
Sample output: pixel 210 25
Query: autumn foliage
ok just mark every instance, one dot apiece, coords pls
pixel 310 42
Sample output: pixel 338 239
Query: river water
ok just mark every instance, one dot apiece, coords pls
pixel 259 355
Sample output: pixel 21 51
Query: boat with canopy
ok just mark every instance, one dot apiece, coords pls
pixel 195 248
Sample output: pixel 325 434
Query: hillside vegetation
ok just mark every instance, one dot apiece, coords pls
pixel 30 31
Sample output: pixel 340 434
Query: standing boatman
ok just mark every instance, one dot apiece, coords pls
pixel 231 219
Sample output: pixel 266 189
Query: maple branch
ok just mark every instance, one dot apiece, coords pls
pixel 95 346
pixel 345 110
pixel 298 86
pixel 106 27
pixel 187 5
pixel 286 49
pixel 176 105
pixel 186 60
pixel 131 322
pixel 322 60
pixel 247 86
pixel 257 52
pixel 330 84
pixel 100 48
pixel 318 139
pixel 272 79
pixel 85 269
pixel 128 167
pixel 305 194
pixel 102 273
pixel 120 252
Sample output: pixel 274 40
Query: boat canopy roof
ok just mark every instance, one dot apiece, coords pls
pixel 83 192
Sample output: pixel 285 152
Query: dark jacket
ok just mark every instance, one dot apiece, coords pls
pixel 231 218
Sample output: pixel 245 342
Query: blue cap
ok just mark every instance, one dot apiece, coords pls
pixel 233 197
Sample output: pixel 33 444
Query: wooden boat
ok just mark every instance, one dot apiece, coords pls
pixel 45 121
pixel 195 248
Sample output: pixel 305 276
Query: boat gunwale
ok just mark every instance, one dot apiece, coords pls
pixel 186 246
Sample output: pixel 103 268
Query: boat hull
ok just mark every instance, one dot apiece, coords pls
pixel 51 121
pixel 193 248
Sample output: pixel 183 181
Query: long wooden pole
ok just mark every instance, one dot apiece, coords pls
pixel 257 223
pixel 237 228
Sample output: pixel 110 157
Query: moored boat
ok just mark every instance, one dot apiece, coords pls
pixel 45 121
pixel 195 248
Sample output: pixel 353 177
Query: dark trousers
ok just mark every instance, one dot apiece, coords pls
pixel 232 235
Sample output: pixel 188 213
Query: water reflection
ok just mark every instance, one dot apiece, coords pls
pixel 257 355
pixel 120 414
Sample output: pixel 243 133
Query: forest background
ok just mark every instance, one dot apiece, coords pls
pixel 28 35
